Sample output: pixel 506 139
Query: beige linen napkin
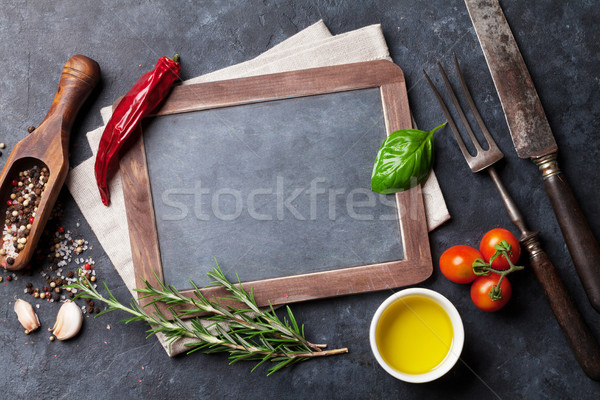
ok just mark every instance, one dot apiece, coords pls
pixel 311 47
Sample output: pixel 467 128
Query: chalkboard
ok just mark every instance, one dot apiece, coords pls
pixel 270 176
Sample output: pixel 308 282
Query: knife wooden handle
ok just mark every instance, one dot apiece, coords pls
pixel 578 334
pixel 580 240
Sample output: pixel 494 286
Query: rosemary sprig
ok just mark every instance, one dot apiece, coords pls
pixel 249 333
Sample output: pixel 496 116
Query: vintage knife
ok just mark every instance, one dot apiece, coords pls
pixel 533 138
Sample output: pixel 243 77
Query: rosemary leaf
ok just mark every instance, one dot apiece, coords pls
pixel 246 333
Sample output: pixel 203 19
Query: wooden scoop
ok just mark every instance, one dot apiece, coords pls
pixel 48 146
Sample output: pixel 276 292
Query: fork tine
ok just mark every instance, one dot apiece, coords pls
pixel 488 137
pixel 461 114
pixel 450 120
pixel 483 158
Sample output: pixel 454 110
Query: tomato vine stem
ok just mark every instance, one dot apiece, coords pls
pixel 482 268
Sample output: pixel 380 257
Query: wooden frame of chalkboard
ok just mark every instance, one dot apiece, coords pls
pixel 416 265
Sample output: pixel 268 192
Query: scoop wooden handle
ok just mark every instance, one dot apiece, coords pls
pixel 579 336
pixel 79 77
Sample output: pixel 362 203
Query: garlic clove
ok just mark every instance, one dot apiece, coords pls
pixel 26 316
pixel 68 321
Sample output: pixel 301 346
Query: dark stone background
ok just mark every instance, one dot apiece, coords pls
pixel 518 352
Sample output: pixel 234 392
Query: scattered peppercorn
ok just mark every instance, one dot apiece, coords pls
pixel 90 309
pixel 96 310
pixel 31 129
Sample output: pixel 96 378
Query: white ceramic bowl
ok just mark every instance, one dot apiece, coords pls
pixel 457 342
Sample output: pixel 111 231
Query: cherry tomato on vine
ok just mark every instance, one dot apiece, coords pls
pixel 456 263
pixel 491 239
pixel 481 288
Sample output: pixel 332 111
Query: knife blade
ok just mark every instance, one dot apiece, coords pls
pixel 533 138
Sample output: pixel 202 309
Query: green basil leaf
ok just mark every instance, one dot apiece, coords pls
pixel 403 161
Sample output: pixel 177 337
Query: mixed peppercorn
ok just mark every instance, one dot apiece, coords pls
pixel 25 196
pixel 59 257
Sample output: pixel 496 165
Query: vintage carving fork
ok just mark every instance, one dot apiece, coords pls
pixel 580 338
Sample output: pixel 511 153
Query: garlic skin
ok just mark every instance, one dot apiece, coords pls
pixel 68 321
pixel 26 316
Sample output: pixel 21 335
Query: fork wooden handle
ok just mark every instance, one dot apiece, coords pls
pixel 578 334
pixel 576 231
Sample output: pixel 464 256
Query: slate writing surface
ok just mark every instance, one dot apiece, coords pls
pixel 271 189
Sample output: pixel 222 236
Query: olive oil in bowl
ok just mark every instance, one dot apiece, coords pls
pixel 414 335
pixel 417 335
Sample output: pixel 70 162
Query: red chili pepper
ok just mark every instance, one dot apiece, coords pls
pixel 140 100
